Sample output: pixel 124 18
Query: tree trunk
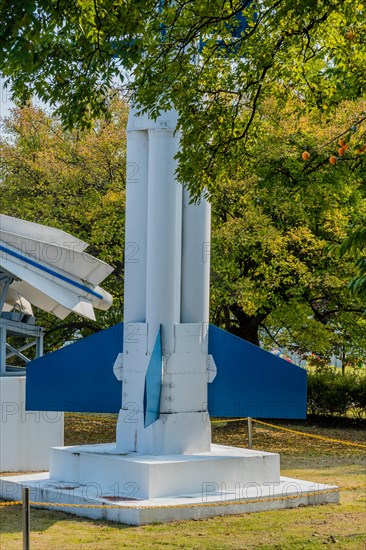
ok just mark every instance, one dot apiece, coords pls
pixel 248 325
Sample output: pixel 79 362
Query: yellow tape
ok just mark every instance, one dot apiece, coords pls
pixel 191 505
pixel 305 434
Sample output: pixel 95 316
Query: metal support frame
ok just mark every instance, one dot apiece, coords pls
pixel 22 330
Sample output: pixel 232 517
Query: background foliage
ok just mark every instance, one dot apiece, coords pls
pixel 73 180
pixel 255 83
pixel 272 279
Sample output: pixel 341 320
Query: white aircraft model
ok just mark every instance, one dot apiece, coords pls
pixel 48 268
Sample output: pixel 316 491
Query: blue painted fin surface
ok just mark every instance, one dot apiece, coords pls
pixel 153 381
pixel 78 377
pixel 253 382
pixel 249 381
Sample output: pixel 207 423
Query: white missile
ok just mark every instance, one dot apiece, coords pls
pixel 50 269
pixel 196 241
pixel 166 289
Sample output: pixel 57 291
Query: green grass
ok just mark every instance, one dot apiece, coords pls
pixel 340 525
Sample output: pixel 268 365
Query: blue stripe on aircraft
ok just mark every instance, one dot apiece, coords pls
pixel 50 271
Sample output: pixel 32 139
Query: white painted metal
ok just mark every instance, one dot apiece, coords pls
pixel 47 286
pixel 28 335
pixel 195 260
pixel 211 369
pixel 67 258
pixel 2 350
pixel 103 303
pixel 183 426
pixel 164 234
pixel 136 223
pixel 40 300
pixel 118 367
pixel 183 406
pixel 185 373
pixel 136 357
pixel 4 289
pixel 40 232
pixel 32 283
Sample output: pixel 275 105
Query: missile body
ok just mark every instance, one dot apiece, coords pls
pixel 166 290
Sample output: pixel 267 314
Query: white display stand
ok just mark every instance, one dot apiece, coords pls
pixel 146 489
pixel 25 437
pixel 165 475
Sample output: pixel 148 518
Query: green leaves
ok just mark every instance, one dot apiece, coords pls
pixel 249 104
pixel 192 55
pixel 355 244
pixel 65 53
pixel 272 222
pixel 74 181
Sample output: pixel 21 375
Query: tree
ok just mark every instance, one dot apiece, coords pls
pixel 73 180
pixel 229 68
pixel 273 276
pixel 356 245
pixel 216 61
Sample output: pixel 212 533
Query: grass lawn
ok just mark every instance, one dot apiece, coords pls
pixel 340 525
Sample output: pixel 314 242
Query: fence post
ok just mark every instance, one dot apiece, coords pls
pixel 26 518
pixel 250 433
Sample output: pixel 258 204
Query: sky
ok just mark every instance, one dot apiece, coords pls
pixel 5 103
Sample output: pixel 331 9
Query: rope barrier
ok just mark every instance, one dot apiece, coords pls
pixel 305 434
pixel 11 503
pixel 172 506
pixel 190 505
pixel 228 420
pixel 89 417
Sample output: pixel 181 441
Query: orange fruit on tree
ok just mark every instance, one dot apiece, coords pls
pixel 350 35
pixel 342 142
pixel 345 146
pixel 333 159
pixel 305 155
pixel 341 151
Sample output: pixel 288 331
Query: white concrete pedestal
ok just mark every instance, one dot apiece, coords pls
pixel 145 489
pixel 25 436
pixel 162 476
